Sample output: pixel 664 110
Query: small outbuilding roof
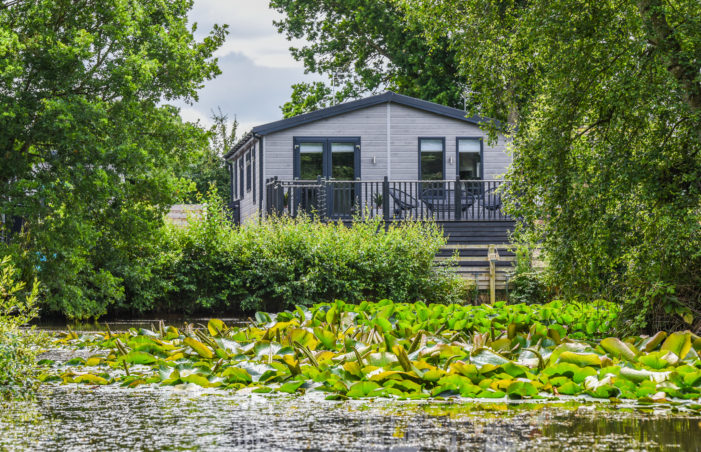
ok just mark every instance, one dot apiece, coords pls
pixel 347 107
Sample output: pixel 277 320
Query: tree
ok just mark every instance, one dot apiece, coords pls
pixel 89 149
pixel 208 166
pixel 607 168
pixel 365 46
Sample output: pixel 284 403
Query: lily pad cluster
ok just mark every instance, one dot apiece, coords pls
pixel 409 351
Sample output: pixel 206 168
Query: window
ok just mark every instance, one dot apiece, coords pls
pixel 343 161
pixel 329 157
pixel 253 172
pixel 431 158
pixel 469 158
pixel 248 172
pixel 234 181
pixel 311 158
pixel 241 177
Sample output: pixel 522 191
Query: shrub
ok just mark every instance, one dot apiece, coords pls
pixel 528 285
pixel 17 348
pixel 214 266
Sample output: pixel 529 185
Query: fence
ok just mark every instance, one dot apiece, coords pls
pixel 444 200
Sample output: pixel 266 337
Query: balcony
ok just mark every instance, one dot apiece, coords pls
pixel 439 200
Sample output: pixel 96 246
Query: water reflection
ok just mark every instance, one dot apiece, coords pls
pixel 109 418
pixel 124 325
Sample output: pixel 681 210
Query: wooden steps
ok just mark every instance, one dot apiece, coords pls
pixel 472 263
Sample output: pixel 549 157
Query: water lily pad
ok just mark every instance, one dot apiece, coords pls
pixel 139 358
pixel 237 375
pixel 362 389
pixel 215 327
pixel 91 379
pixel 658 360
pixel 617 348
pixel 580 359
pixel 521 389
pixel 291 387
pixel 199 348
pixel 678 343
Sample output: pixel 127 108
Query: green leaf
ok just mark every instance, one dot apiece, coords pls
pixel 139 358
pixel 362 389
pixel 199 347
pixel 237 375
pixel 520 389
pixel 196 379
pixel 580 359
pixel 678 343
pixel 91 379
pixel 291 386
pixel 215 327
pixel 617 348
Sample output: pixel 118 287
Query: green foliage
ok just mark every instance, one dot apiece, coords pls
pixel 18 305
pixel 364 46
pixel 607 153
pixel 527 285
pixel 215 266
pixel 208 166
pixel 406 351
pixel 308 97
pixel 89 149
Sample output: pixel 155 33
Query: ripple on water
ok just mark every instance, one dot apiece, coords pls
pixel 151 419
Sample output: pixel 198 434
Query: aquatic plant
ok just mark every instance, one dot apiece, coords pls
pixel 18 348
pixel 410 351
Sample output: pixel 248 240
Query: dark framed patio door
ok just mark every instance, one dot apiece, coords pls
pixel 334 158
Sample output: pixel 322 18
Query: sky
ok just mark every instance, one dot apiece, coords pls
pixel 257 68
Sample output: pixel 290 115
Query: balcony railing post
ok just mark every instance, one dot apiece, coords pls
pixel 458 197
pixel 385 199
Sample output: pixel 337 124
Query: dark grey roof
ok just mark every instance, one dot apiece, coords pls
pixel 346 107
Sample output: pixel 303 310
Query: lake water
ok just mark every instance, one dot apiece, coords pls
pixel 80 418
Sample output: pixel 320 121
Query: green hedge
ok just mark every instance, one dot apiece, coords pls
pixel 214 266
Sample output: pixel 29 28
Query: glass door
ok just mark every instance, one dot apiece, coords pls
pixel 335 159
pixel 311 160
pixel 342 168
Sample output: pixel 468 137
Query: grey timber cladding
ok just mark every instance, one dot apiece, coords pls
pixel 387 127
pixel 370 124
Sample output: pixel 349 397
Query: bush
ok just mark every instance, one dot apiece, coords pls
pixel 215 266
pixel 17 348
pixel 528 288
pixel 528 285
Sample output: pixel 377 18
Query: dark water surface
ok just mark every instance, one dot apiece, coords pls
pixel 154 419
pixel 119 325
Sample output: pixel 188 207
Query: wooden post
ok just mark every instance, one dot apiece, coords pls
pixel 493 257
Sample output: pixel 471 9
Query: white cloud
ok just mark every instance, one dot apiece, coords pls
pixel 251 30
pixel 257 68
pixel 266 51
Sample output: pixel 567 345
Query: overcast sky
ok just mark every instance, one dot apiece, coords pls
pixel 257 68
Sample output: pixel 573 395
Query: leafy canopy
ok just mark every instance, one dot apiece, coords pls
pixel 364 46
pixel 607 99
pixel 88 146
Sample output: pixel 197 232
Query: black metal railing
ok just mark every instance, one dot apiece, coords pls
pixel 444 200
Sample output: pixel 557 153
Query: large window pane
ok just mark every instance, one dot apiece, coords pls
pixel 343 161
pixel 241 178
pixel 431 159
pixel 311 157
pixel 248 171
pixel 469 159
